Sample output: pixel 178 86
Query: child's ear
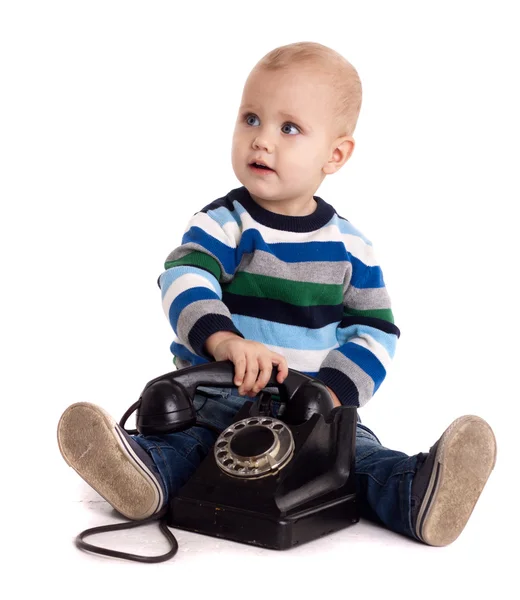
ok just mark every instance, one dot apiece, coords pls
pixel 341 151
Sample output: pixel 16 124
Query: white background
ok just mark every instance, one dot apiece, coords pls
pixel 115 127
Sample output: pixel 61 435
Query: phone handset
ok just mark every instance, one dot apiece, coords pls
pixel 166 402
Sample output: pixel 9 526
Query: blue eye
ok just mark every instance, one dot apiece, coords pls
pixel 248 119
pixel 290 125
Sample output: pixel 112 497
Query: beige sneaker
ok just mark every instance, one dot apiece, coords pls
pixel 110 461
pixel 450 479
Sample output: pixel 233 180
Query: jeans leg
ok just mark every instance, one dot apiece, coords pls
pixel 177 455
pixel 384 482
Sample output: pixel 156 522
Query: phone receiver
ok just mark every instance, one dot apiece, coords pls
pixel 166 403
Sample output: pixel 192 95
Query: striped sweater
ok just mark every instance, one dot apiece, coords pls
pixel 308 288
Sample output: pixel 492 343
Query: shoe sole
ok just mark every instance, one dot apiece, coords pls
pixel 92 444
pixel 465 457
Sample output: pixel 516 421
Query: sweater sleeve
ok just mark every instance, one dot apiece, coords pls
pixel 191 283
pixel 366 335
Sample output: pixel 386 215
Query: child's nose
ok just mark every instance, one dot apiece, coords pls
pixel 263 143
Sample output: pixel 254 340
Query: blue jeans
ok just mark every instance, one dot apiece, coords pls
pixel 383 476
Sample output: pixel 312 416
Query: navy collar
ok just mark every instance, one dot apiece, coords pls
pixel 320 217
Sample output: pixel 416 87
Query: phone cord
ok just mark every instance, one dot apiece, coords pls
pixel 161 516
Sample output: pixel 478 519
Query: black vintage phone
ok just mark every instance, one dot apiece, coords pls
pixel 271 481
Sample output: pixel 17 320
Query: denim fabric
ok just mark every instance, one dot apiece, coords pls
pixel 383 476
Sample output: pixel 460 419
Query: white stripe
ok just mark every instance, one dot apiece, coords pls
pixel 377 349
pixel 360 249
pixel 183 283
pixel 230 231
pixel 176 339
pixel 353 243
pixel 311 360
pixel 302 360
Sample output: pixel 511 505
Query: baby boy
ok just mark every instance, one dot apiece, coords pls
pixel 271 275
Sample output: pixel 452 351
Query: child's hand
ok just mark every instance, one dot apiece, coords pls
pixel 253 361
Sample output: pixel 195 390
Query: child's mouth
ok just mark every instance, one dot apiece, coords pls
pixel 257 168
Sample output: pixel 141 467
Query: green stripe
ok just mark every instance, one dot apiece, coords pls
pixel 379 313
pixel 298 293
pixel 197 259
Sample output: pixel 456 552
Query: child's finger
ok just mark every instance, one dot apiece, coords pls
pixel 240 367
pixel 283 369
pixel 264 374
pixel 250 375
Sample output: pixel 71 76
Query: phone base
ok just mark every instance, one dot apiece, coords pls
pixel 310 497
pixel 263 530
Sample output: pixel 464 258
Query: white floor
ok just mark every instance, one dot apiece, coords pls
pixel 361 560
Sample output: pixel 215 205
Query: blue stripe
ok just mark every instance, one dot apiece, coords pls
pixel 225 254
pixel 286 336
pixel 289 252
pixel 240 210
pixel 346 227
pixel 366 361
pixel 365 277
pixel 185 298
pixel 293 252
pixel 184 353
pixel 223 215
pixel 387 340
pixel 172 274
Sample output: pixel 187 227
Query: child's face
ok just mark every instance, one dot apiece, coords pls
pixel 286 121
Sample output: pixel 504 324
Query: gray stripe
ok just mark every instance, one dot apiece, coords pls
pixel 193 312
pixel 181 251
pixel 264 263
pixel 182 363
pixel 364 383
pixel 367 299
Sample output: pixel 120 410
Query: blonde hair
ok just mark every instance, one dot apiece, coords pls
pixel 342 75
